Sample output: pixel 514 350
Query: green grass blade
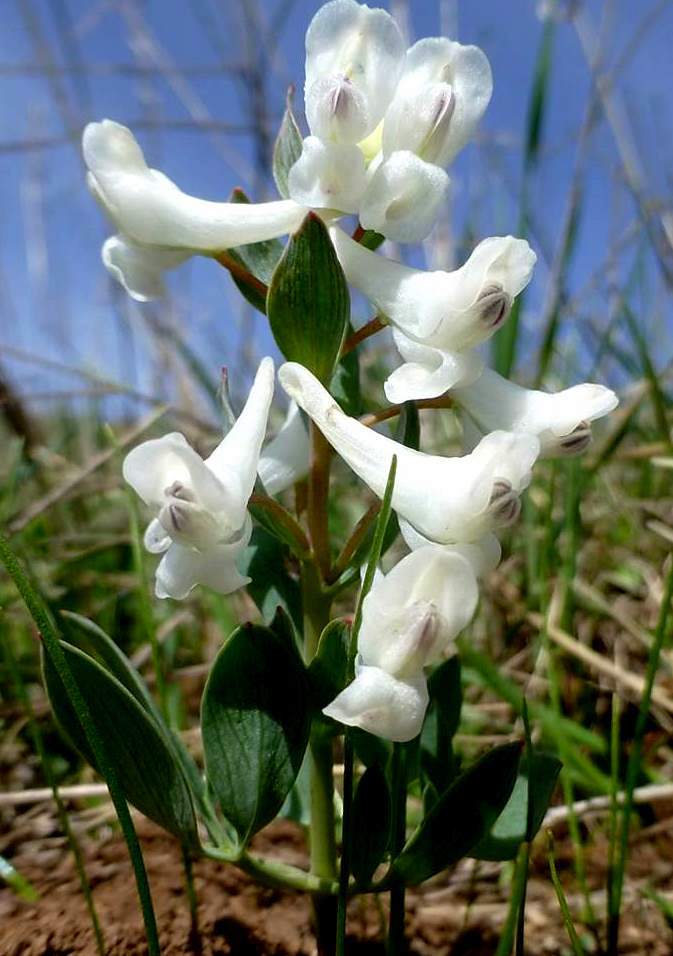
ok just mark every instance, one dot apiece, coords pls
pixel 51 638
pixel 577 948
pixel 634 765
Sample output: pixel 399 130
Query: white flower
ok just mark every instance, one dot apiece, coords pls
pixel 354 58
pixel 561 420
pixel 449 500
pixel 157 222
pixel 201 522
pixel 140 269
pixel 443 92
pixel 328 176
pixel 439 317
pixel 382 704
pixel 285 460
pixel 483 554
pixel 410 619
pixel 403 197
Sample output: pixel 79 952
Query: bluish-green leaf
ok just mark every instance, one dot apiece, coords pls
pixel 370 824
pixel 255 724
pixel 287 148
pixel 509 830
pixel 266 562
pixel 149 773
pixel 345 385
pixel 328 671
pixel 258 258
pixel 93 640
pixel 461 817
pixel 308 304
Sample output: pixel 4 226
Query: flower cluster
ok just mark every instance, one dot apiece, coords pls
pixel 384 124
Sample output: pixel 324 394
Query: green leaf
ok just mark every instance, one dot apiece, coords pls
pixel 370 824
pixel 255 724
pixel 280 523
pixel 93 640
pixel 371 239
pixel 441 723
pixel 408 429
pixel 371 750
pixel 149 774
pixel 509 830
pixel 461 816
pixel 18 883
pixel 446 694
pixel 265 561
pixel 345 385
pixel 328 671
pixel 259 258
pixel 308 304
pixel 287 148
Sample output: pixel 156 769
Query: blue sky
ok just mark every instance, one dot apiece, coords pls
pixel 57 302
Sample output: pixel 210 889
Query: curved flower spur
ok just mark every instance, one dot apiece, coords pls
pixel 201 522
pixel 159 225
pixel 448 500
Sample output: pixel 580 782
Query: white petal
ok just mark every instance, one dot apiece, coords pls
pixel 150 209
pixel 411 617
pixel 348 40
pixel 560 420
pixel 235 459
pixel 404 197
pixel 430 62
pixel 181 569
pixel 447 499
pixel 449 310
pixel 155 538
pixel 328 176
pixel 285 460
pixel 140 269
pixel 155 465
pixel 484 555
pixel 429 372
pixel 382 705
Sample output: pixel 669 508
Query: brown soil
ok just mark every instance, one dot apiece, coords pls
pixel 457 915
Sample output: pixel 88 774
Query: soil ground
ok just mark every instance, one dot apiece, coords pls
pixel 459 914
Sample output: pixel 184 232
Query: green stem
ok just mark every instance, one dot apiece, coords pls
pixel 316 608
pixel 51 637
pixel 396 942
pixel 192 899
pixel 278 876
pixel 346 846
